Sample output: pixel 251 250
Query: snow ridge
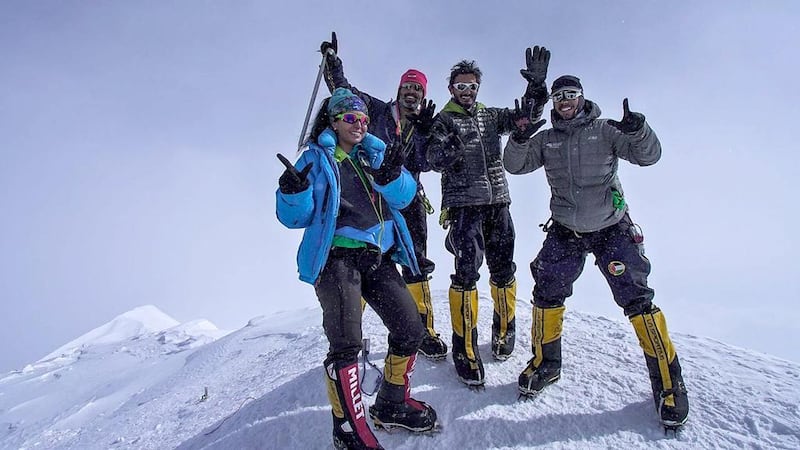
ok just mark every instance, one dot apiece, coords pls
pixel 262 387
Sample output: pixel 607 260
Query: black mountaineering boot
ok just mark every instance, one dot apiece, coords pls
pixel 345 438
pixel 433 348
pixel 533 379
pixel 394 406
pixel 413 415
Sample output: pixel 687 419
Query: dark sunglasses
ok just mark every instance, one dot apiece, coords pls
pixel 568 95
pixel 465 86
pixel 412 86
pixel 354 117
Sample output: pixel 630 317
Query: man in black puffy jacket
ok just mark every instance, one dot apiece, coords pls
pixel 580 156
pixel 465 147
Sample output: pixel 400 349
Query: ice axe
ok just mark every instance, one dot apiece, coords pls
pixel 325 52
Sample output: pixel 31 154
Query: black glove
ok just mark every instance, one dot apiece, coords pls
pixel 330 48
pixel 631 121
pixel 292 181
pixel 455 147
pixel 423 120
pixel 539 95
pixel 389 170
pixel 522 120
pixel 536 60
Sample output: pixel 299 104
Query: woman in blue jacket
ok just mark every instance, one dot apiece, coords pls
pixel 346 190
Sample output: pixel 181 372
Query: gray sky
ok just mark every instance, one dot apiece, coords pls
pixel 138 142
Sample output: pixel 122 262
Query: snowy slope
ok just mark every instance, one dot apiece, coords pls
pixel 265 390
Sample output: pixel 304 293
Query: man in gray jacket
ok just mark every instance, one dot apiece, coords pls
pixel 580 155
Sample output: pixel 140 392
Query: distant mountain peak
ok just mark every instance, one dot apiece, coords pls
pixel 128 325
pixel 150 316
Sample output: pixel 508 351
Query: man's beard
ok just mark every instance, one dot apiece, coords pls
pixel 414 105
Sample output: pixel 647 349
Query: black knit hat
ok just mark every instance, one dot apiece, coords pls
pixel 566 82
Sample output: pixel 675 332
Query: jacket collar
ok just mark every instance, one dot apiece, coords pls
pixel 590 112
pixel 454 107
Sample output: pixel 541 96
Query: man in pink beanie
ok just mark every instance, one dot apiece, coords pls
pixel 404 125
pixel 415 76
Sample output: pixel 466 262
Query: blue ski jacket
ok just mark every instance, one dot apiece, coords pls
pixel 316 208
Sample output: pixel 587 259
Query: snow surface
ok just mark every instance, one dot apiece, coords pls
pixel 142 381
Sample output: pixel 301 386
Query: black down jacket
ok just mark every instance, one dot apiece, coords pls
pixel 475 176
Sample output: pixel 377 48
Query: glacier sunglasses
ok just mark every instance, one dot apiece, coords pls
pixel 566 95
pixel 411 86
pixel 353 117
pixel 464 86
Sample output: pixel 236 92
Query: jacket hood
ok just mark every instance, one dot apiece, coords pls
pixel 590 112
pixel 370 149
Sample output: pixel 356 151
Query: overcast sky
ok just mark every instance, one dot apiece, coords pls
pixel 138 141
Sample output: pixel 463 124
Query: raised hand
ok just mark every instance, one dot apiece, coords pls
pixel 522 120
pixel 631 121
pixel 330 50
pixel 330 47
pixel 393 160
pixel 423 120
pixel 292 181
pixel 537 59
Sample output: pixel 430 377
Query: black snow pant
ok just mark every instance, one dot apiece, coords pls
pixel 349 275
pixel 618 255
pixel 417 222
pixel 476 231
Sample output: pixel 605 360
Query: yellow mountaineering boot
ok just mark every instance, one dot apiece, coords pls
pixel 669 391
pixel 464 317
pixel 432 346
pixel 545 366
pixel 394 406
pixel 504 319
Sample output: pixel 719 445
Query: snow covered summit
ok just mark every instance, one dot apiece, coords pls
pixel 262 387
pixel 138 321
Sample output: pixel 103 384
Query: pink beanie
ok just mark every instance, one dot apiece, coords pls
pixel 415 76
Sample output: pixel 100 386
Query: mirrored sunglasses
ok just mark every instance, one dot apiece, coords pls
pixel 565 95
pixel 412 86
pixel 465 86
pixel 354 117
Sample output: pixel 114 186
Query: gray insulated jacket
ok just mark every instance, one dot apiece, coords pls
pixel 580 158
pixel 475 176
